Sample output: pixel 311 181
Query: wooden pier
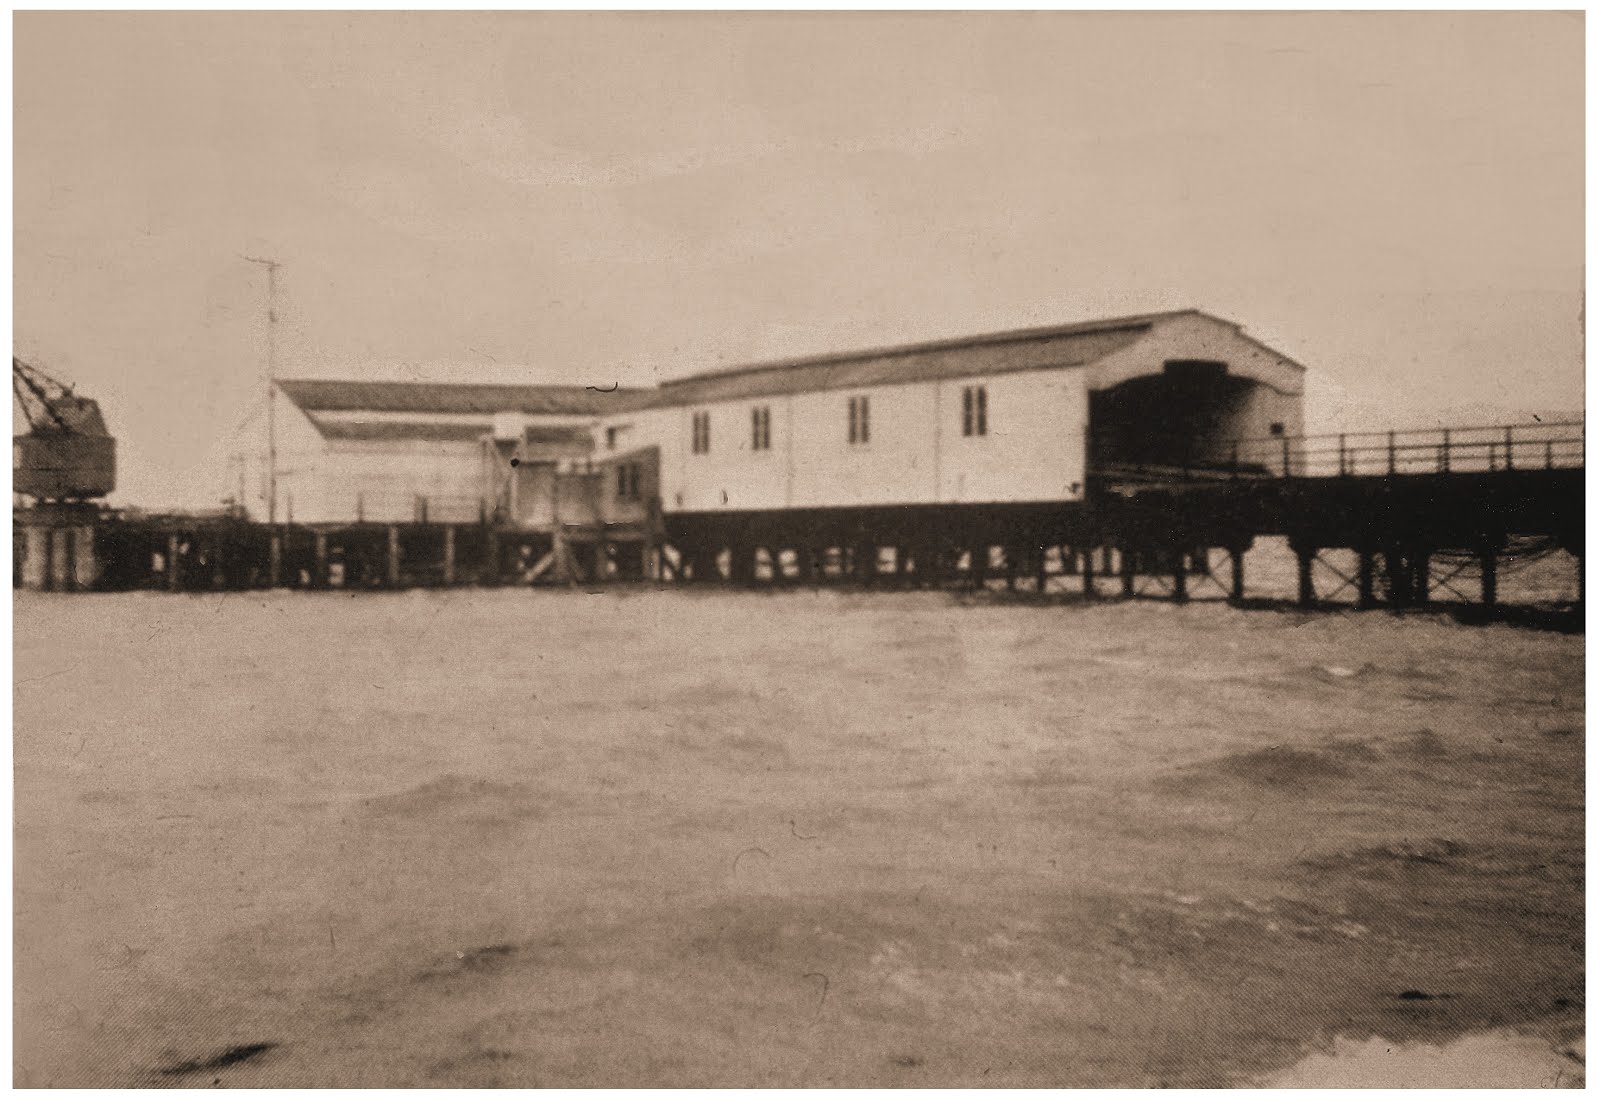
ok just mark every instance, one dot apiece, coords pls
pixel 1414 511
pixel 1393 519
pixel 107 551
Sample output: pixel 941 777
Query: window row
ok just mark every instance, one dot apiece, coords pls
pixel 974 421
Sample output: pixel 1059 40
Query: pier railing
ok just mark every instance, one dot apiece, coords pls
pixel 1419 452
pixel 1472 449
pixel 382 507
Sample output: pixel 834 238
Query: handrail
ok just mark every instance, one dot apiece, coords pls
pixel 1499 428
pixel 1426 451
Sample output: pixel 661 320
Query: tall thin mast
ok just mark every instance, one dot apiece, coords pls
pixel 272 384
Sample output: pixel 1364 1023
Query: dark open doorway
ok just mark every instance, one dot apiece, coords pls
pixel 1188 416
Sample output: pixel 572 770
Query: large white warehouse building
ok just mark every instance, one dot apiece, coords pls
pixel 1020 417
pixel 985 439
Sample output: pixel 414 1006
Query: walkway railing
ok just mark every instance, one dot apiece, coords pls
pixel 1525 447
pixel 381 508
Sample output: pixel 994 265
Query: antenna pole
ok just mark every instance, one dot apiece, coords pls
pixel 272 383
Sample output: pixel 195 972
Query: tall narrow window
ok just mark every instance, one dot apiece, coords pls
pixel 627 481
pixel 700 423
pixel 974 411
pixel 860 420
pixel 761 428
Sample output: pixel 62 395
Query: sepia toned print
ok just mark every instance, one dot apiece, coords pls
pixel 798 550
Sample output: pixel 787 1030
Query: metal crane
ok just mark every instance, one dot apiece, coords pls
pixel 67 455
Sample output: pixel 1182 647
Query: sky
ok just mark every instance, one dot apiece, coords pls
pixel 1393 200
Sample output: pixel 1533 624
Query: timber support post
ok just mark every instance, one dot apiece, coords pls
pixel 36 557
pixel 1236 566
pixel 1305 557
pixel 491 556
pixel 174 567
pixel 979 566
pixel 449 555
pixel 1180 576
pixel 319 566
pixel 806 560
pixel 85 568
pixel 937 553
pixel 61 558
pixel 1127 560
pixel 275 559
pixel 1365 596
pixel 1400 585
pixel 1488 560
pixel 391 574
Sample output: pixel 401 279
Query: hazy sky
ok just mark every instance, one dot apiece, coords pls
pixel 1394 200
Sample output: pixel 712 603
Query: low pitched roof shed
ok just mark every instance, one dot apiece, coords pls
pixel 455 399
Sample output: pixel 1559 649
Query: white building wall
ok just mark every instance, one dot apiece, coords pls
pixel 732 475
pixel 299 446
pixel 1274 405
pixel 668 430
pixel 895 465
pixel 1034 450
pixel 381 481
pixel 323 481
pixel 1198 337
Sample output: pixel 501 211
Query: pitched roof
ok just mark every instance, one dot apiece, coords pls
pixel 336 430
pixel 468 399
pixel 570 436
pixel 1003 352
pixel 540 440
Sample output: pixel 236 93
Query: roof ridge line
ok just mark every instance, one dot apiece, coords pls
pixel 452 384
pixel 1021 334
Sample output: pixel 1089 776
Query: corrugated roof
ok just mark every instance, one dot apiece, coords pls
pixel 399 431
pixel 1064 345
pixel 570 437
pixel 1004 352
pixel 455 399
pixel 565 437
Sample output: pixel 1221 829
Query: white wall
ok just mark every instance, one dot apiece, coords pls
pixel 332 481
pixel 1035 448
pixel 329 481
pixel 1202 338
pixel 380 481
pixel 300 447
pixel 1033 452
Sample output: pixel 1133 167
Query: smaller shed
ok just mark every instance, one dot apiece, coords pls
pixel 393 451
